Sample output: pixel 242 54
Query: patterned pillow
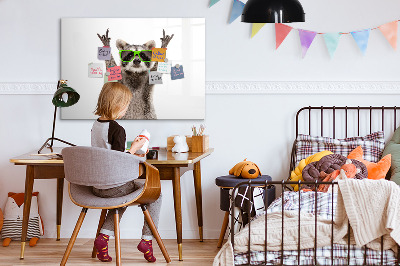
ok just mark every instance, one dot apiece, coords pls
pixel 372 144
pixel 13 213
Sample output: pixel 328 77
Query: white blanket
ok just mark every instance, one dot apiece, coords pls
pixel 373 209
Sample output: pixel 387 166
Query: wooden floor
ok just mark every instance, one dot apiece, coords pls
pixel 50 252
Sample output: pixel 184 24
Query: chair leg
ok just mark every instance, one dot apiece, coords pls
pixel 101 222
pixel 154 230
pixel 117 239
pixel 73 237
pixel 223 229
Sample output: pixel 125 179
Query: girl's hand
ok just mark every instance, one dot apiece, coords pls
pixel 137 144
pixel 143 155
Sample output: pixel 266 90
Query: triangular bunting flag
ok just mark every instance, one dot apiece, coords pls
pixel 361 37
pixel 255 28
pixel 281 31
pixel 332 41
pixel 306 39
pixel 237 9
pixel 213 2
pixel 389 30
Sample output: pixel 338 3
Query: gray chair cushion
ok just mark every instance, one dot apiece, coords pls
pixel 83 195
pixel 99 167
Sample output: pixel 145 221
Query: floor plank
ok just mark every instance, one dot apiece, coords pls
pixel 50 252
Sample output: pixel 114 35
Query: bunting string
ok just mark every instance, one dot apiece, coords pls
pixel 342 33
pixel 361 37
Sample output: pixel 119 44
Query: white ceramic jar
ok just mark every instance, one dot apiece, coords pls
pixel 144 134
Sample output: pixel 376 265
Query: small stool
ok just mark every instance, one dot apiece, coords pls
pixel 226 183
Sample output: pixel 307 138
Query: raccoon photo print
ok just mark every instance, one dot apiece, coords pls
pixel 131 42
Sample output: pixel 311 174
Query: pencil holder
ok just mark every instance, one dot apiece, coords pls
pixel 200 143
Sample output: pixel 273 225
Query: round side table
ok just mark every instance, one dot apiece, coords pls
pixel 228 182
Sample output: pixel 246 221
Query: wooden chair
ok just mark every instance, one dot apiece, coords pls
pixel 85 167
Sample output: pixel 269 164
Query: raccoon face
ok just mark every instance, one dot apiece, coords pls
pixel 136 65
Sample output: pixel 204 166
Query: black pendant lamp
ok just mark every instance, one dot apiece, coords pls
pixel 273 11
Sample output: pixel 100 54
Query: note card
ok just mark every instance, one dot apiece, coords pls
pixel 177 72
pixel 155 77
pixel 95 70
pixel 159 54
pixel 106 74
pixel 104 53
pixel 115 73
pixel 164 68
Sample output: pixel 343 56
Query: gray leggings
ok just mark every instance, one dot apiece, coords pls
pixel 154 208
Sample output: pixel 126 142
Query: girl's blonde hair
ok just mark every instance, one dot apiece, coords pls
pixel 113 98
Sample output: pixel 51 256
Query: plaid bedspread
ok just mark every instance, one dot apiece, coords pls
pixel 324 257
pixel 307 202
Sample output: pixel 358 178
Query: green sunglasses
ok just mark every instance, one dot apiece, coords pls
pixel 129 55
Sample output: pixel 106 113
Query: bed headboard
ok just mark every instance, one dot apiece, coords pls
pixel 344 121
pixel 375 114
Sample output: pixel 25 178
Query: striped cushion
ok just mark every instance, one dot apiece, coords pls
pixel 13 228
pixel 372 145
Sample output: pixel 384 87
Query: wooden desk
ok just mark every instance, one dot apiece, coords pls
pixel 171 167
pixel 40 167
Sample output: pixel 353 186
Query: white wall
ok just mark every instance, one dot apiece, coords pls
pixel 259 127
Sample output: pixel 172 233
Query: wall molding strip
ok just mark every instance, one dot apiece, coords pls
pixel 28 88
pixel 303 87
pixel 250 87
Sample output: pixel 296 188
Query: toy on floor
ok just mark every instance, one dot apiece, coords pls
pixel 245 169
pixel 13 215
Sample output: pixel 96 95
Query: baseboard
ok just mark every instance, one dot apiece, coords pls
pixel 248 87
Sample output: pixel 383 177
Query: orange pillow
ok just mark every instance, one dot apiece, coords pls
pixel 375 170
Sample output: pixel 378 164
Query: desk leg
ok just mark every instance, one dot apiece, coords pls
pixel 176 182
pixel 199 204
pixel 27 206
pixel 60 190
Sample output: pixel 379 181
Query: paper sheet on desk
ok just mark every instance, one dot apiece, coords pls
pixel 53 155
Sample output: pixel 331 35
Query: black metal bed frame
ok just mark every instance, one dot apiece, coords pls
pixel 346 110
pixel 283 184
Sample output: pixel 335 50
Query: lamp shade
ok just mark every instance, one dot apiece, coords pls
pixel 273 11
pixel 70 97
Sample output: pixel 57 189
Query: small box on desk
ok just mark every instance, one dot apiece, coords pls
pixel 200 143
